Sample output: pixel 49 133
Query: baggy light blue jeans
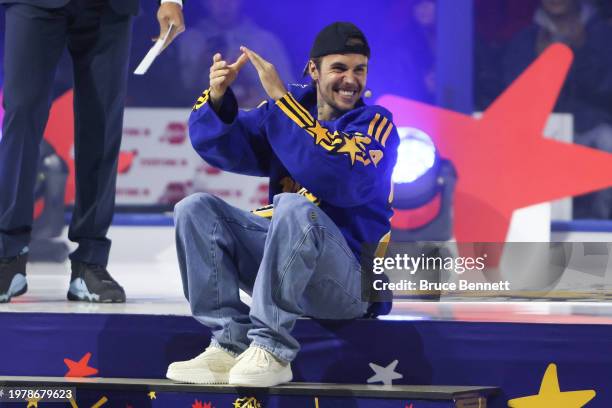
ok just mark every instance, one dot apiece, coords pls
pixel 297 264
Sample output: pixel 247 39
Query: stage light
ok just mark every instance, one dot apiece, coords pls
pixel 423 185
pixel 416 155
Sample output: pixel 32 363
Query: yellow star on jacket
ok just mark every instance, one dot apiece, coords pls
pixel 152 395
pixel 550 396
pixel 350 147
pixel 320 133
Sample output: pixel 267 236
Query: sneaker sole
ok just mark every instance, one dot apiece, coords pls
pixel 18 287
pixel 78 292
pixel 261 380
pixel 197 377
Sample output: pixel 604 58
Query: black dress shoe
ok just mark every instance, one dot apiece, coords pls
pixel 93 283
pixel 13 277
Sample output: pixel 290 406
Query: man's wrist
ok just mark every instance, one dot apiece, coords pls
pixel 215 99
pixel 279 94
pixel 179 2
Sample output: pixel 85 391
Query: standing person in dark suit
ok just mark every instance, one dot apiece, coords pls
pixel 97 34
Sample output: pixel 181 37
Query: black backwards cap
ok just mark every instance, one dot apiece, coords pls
pixel 340 38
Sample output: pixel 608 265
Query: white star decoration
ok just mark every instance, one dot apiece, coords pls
pixel 386 375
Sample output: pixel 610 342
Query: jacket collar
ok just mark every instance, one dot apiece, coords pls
pixel 306 94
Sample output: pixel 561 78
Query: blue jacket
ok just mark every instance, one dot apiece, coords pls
pixel 344 165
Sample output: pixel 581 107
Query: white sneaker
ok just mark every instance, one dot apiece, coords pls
pixel 257 367
pixel 210 367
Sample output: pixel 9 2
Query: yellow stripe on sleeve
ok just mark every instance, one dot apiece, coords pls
pixel 301 108
pixel 288 112
pixel 372 124
pixel 383 122
pixel 201 100
pixel 386 135
pixel 291 102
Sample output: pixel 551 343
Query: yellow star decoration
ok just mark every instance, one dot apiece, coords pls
pixel 32 403
pixel 247 402
pixel 319 132
pixel 350 147
pixel 550 396
pixel 362 141
pixel 152 395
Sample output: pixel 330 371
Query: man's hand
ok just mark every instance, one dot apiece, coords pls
pixel 222 75
pixel 170 13
pixel 268 76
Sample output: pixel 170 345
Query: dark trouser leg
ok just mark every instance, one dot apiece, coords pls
pixel 99 43
pixel 34 40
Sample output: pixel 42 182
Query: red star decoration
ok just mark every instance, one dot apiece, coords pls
pixel 503 161
pixel 200 404
pixel 80 368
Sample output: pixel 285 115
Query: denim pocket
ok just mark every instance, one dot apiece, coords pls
pixel 330 299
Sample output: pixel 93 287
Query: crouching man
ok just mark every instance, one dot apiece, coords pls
pixel 329 159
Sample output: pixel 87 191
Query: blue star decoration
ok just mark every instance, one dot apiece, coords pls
pixel 551 396
pixel 386 375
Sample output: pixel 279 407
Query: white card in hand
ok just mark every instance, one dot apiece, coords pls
pixel 147 61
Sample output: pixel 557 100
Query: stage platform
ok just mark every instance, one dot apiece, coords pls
pixel 505 344
pixel 164 393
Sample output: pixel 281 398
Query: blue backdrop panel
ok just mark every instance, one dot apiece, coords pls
pixel 509 355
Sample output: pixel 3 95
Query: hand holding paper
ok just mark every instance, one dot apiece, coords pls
pixel 170 14
pixel 157 48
